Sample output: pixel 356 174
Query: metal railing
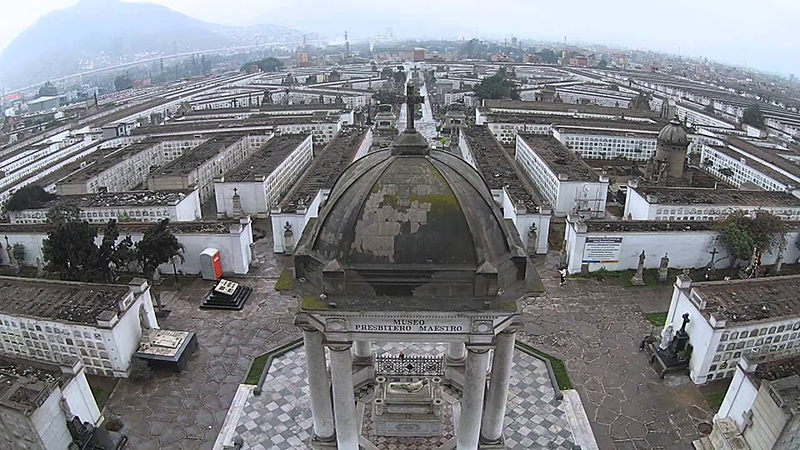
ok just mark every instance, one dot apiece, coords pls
pixel 409 365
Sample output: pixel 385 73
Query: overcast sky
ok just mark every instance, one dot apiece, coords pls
pixel 759 34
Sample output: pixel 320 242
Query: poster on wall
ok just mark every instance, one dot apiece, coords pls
pixel 602 250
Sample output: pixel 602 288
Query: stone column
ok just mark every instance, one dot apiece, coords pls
pixel 321 408
pixel 362 351
pixel 344 402
pixel 497 395
pixel 469 427
pixel 456 353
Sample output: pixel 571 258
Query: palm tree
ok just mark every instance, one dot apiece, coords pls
pixel 158 246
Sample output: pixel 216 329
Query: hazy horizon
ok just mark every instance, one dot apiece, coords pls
pixel 716 29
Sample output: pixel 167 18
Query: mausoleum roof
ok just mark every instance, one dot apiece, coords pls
pixel 410 221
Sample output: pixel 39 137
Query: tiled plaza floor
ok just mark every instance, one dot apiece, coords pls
pixel 280 417
pixel 595 327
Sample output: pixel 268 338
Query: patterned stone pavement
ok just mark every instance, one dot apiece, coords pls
pixel 280 418
pixel 595 327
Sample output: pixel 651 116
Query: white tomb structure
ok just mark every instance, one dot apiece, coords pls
pixel 410 247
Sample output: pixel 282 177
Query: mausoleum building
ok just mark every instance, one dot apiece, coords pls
pixel 410 247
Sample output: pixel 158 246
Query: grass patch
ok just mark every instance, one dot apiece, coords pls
pixel 168 282
pixel 559 368
pixel 657 318
pixel 100 395
pixel 256 369
pixel 714 400
pixel 259 362
pixel 285 281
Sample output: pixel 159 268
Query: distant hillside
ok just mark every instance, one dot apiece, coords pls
pixel 99 33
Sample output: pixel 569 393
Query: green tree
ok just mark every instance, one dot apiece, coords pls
pixel 71 251
pixel 497 87
pixel 30 196
pixel 709 108
pixel 270 64
pixel 741 233
pixel 18 250
pixel 387 73
pixel 104 268
pixel 602 64
pixel 125 255
pixel 122 82
pixel 158 246
pixel 753 116
pixel 64 211
pixel 399 77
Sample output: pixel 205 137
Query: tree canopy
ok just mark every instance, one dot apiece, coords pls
pixel 741 233
pixel 753 116
pixel 709 108
pixel 71 251
pixel 122 82
pixel 498 86
pixel 158 246
pixel 269 64
pixel 30 196
pixel 386 97
pixel 64 211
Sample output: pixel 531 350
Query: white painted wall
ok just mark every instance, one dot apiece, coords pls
pixel 297 220
pixel 253 196
pixel 80 399
pixel 50 422
pixel 686 249
pixel 738 400
pixel 231 245
pixel 127 332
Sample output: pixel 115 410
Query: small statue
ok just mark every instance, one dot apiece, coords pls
pixel 666 337
pixel 409 387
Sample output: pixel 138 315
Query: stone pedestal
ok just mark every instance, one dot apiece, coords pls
pixel 408 409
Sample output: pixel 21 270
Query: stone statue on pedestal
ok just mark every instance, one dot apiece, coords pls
pixel 663 269
pixel 666 337
pixel 238 213
pixel 638 277
pixel 532 235
pixel 288 239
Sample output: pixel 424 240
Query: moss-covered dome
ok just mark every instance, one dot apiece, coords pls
pixel 402 219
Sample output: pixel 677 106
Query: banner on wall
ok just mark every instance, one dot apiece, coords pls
pixel 602 250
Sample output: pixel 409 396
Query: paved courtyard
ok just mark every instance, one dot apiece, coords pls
pixel 595 327
pixel 280 418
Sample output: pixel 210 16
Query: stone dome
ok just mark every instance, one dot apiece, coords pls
pixel 673 134
pixel 411 221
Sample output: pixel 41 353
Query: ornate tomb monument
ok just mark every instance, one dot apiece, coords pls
pixel 410 247
pixel 226 295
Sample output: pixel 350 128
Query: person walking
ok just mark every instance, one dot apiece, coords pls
pixel 562 273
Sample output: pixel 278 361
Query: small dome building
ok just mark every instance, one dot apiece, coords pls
pixel 671 147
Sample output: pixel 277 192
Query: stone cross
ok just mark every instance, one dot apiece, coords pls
pixel 411 100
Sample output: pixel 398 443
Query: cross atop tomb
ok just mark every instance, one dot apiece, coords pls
pixel 411 99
